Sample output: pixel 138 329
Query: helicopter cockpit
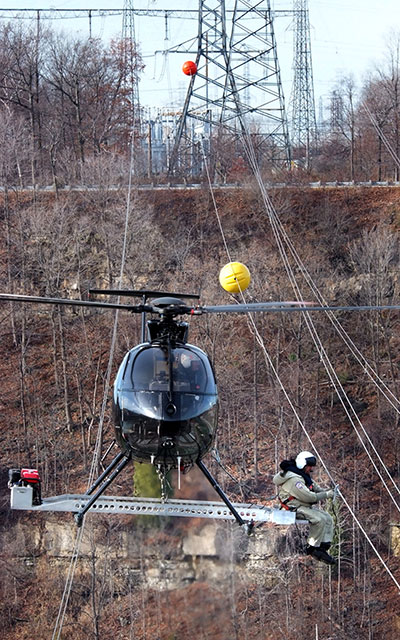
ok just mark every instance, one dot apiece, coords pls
pixel 166 397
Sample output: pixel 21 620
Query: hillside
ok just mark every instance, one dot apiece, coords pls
pixel 140 581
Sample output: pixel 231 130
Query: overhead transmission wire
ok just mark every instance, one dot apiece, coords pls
pixel 381 134
pixel 279 231
pixel 97 448
pixel 368 369
pixel 249 148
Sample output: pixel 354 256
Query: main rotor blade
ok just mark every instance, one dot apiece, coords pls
pixel 251 307
pixel 278 307
pixel 144 292
pixel 13 297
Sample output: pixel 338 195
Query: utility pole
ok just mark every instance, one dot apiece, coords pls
pixel 303 120
pixel 237 90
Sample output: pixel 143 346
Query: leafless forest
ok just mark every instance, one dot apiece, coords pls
pixel 64 120
pixel 66 101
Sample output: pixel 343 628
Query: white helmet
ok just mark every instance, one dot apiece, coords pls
pixel 186 360
pixel 305 458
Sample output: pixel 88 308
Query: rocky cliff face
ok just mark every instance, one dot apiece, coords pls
pixel 159 560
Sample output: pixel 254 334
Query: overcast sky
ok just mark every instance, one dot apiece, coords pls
pixel 347 36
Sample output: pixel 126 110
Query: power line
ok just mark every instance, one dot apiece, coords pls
pixel 273 219
pixel 55 13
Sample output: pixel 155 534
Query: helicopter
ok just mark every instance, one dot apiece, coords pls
pixel 165 398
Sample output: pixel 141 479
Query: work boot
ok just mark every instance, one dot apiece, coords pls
pixel 320 554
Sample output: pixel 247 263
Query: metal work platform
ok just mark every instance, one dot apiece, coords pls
pixel 21 498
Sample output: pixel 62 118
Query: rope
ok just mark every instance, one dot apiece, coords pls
pixel 214 201
pixel 97 449
pixel 68 586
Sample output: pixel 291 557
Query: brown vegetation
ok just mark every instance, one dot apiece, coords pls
pixel 53 367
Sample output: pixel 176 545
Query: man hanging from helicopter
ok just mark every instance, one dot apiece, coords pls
pixel 298 492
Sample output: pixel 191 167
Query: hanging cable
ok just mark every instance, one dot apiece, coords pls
pixel 97 451
pixel 99 438
pixel 68 585
pixel 279 231
pixel 283 389
pixel 213 200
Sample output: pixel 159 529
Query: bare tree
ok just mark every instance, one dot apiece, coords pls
pixel 20 80
pixel 390 87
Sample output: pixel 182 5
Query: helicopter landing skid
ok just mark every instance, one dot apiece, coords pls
pixel 119 463
pixel 234 512
pixel 103 481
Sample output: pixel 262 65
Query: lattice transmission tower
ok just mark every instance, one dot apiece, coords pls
pixel 237 89
pixel 302 111
pixel 130 88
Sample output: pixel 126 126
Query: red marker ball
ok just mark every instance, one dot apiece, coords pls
pixel 189 68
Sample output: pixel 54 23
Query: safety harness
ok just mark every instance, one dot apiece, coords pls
pixel 284 504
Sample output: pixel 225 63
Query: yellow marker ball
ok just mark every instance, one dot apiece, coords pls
pixel 234 277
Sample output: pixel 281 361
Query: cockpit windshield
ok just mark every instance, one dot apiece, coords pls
pixel 186 372
pixel 167 385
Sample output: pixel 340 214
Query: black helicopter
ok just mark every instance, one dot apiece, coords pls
pixel 165 400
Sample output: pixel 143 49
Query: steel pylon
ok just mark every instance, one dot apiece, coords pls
pixel 237 90
pixel 302 108
pixel 130 85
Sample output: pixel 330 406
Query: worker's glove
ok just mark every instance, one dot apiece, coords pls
pixel 330 493
pixel 336 491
